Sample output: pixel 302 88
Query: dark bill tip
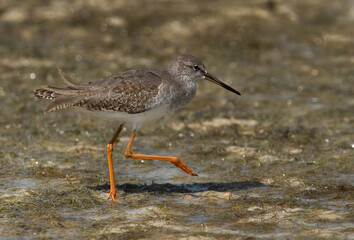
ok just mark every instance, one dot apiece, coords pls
pixel 213 79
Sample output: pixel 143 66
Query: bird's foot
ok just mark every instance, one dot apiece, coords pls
pixel 113 196
pixel 178 163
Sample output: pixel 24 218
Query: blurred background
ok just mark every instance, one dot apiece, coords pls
pixel 276 162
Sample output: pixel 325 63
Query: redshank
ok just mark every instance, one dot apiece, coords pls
pixel 133 97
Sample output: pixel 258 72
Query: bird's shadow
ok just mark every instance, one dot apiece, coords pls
pixel 182 188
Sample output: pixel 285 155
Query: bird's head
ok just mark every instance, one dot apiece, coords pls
pixel 190 67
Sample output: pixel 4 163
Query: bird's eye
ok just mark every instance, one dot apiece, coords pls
pixel 196 67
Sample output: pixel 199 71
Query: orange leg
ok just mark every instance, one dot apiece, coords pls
pixel 175 160
pixel 112 193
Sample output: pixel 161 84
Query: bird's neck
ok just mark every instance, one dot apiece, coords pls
pixel 186 85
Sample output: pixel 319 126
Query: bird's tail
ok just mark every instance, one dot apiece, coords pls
pixel 63 97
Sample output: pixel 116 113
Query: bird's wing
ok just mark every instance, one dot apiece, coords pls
pixel 131 92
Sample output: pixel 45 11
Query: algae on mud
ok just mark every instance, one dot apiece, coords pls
pixel 275 163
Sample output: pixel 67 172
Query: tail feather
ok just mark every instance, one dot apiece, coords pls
pixel 60 91
pixel 62 103
pixel 46 94
pixel 63 97
pixel 68 81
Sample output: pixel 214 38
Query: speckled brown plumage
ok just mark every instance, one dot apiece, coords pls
pixel 132 92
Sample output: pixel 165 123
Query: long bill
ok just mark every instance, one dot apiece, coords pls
pixel 213 79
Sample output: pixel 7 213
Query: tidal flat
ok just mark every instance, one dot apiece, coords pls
pixel 274 163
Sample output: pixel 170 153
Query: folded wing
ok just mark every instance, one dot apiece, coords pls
pixel 131 92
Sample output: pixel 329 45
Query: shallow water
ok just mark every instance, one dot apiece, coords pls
pixel 274 163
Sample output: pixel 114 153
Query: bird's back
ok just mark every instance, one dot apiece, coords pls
pixel 130 92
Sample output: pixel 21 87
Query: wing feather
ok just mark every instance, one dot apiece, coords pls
pixel 131 92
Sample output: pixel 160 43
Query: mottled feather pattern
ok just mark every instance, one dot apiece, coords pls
pixel 140 92
pixel 126 97
pixel 131 92
pixel 45 94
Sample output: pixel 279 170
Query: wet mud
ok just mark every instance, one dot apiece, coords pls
pixel 274 163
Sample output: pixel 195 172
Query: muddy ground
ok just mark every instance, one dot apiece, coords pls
pixel 275 163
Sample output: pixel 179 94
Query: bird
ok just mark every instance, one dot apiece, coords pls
pixel 133 97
